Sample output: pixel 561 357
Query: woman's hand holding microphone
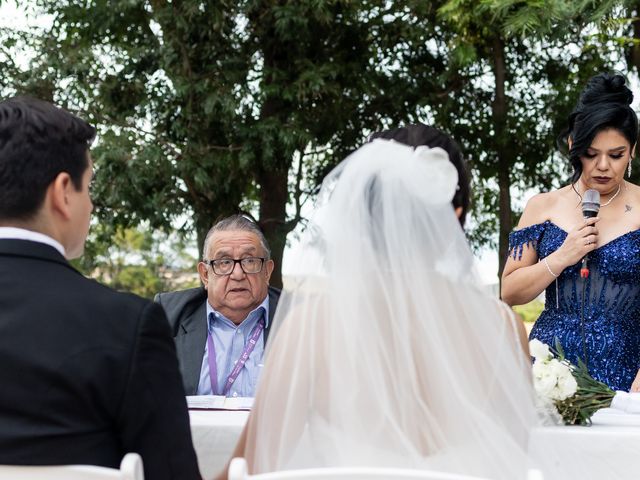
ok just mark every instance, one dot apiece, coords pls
pixel 579 242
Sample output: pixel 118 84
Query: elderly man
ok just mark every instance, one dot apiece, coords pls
pixel 220 330
pixel 88 374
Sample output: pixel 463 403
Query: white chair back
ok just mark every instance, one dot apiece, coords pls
pixel 535 474
pixel 238 471
pixel 130 469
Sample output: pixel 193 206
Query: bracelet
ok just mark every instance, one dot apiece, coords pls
pixel 544 260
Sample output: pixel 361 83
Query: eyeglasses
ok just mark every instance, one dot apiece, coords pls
pixel 224 266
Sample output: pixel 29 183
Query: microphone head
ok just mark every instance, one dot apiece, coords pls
pixel 590 203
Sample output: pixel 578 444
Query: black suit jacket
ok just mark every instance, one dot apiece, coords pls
pixel 187 314
pixel 87 374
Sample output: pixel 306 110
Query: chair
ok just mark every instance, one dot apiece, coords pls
pixel 238 471
pixel 130 469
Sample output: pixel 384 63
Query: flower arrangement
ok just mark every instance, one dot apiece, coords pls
pixel 574 393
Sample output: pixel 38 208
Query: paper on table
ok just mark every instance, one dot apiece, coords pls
pixel 628 402
pixel 613 417
pixel 219 402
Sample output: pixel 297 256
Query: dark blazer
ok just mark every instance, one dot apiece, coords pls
pixel 87 374
pixel 187 314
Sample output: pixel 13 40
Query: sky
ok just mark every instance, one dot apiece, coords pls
pixel 13 16
pixel 8 13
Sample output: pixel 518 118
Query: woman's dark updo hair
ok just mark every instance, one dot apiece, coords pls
pixel 604 104
pixel 419 135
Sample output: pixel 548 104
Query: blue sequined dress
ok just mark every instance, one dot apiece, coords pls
pixel 612 304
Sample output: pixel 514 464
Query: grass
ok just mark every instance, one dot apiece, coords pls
pixel 530 311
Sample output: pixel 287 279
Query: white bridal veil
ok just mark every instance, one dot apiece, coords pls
pixel 387 352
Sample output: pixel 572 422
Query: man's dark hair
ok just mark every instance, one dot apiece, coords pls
pixel 419 135
pixel 38 141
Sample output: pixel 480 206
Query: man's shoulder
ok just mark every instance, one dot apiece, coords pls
pixel 107 303
pixel 181 301
pixel 274 294
pixel 181 297
pixel 99 291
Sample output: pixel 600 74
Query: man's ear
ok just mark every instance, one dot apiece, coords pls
pixel 202 271
pixel 59 193
pixel 269 270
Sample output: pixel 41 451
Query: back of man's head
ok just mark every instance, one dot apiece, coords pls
pixel 38 141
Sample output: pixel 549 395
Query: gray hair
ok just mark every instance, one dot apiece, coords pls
pixel 236 222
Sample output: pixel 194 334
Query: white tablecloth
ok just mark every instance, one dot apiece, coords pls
pixel 215 434
pixel 609 449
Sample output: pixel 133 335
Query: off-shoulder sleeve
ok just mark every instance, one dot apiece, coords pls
pixel 528 236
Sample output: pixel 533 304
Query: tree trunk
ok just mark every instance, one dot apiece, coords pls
pixel 272 172
pixel 273 204
pixel 499 110
pixel 203 224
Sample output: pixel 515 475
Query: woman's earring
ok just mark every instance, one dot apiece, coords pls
pixel 629 169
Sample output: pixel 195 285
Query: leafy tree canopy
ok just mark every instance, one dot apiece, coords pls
pixel 207 108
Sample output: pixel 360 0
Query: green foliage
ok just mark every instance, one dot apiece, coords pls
pixel 530 311
pixel 208 107
pixel 138 260
pixel 202 106
pixel 520 70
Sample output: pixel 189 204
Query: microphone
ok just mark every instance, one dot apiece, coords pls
pixel 590 203
pixel 590 208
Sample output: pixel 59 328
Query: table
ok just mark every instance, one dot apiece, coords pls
pixel 609 449
pixel 215 434
pixel 611 445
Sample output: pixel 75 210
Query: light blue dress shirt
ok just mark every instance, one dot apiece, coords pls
pixel 229 340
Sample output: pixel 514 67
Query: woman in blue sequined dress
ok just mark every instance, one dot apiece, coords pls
pixel 595 319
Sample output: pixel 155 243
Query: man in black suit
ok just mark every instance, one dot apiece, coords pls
pixel 88 374
pixel 235 307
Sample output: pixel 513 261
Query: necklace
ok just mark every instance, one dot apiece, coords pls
pixel 611 199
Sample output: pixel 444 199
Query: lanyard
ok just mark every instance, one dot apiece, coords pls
pixel 244 356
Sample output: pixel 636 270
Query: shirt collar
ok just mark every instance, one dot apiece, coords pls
pixel 16 233
pixel 254 315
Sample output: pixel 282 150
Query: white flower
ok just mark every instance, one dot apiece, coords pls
pixel 556 380
pixel 547 411
pixel 544 381
pixel 539 350
pixel 567 386
pixel 553 379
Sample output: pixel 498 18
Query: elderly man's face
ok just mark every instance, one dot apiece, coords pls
pixel 235 295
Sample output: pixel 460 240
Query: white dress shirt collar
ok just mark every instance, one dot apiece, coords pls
pixel 16 233
pixel 253 314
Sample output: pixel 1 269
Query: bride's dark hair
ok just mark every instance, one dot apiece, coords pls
pixel 604 103
pixel 419 135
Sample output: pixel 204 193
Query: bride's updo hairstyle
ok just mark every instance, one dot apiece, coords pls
pixel 604 104
pixel 420 135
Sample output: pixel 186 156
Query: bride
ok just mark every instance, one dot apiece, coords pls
pixel 387 351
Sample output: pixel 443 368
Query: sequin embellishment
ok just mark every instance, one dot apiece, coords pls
pixel 611 303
